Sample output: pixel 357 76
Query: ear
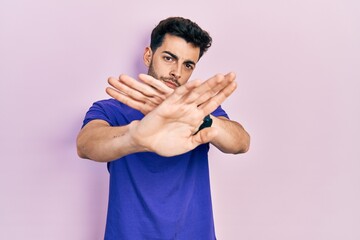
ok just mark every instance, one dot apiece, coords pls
pixel 147 56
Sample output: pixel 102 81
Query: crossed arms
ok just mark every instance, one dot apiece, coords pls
pixel 171 119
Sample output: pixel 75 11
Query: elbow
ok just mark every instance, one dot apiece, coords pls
pixel 80 153
pixel 80 148
pixel 244 146
pixel 85 150
pixel 243 149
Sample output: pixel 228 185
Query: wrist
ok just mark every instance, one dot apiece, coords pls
pixel 207 122
pixel 136 141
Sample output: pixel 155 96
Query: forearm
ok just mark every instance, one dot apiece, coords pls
pixel 231 136
pixel 100 142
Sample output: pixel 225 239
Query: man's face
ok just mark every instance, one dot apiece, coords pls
pixel 173 62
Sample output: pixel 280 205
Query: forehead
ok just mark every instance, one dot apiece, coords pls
pixel 178 46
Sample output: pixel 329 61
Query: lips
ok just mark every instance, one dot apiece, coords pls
pixel 171 83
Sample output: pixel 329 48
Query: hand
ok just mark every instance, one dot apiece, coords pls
pixel 143 96
pixel 169 129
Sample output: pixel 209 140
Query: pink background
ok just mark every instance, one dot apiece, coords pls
pixel 298 68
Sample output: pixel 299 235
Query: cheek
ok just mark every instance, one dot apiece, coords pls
pixel 161 68
pixel 185 77
pixel 187 72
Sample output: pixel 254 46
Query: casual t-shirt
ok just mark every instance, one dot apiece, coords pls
pixel 155 197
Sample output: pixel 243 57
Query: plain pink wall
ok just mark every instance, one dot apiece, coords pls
pixel 297 64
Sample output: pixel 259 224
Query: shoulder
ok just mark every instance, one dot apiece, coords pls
pixel 109 103
pixel 113 112
pixel 112 105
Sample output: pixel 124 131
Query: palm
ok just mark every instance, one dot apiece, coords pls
pixel 168 129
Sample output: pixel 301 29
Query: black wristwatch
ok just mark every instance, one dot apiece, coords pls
pixel 206 123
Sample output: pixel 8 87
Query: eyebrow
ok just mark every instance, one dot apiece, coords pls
pixel 177 58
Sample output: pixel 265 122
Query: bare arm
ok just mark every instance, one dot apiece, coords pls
pixel 167 130
pixel 231 136
pixel 99 141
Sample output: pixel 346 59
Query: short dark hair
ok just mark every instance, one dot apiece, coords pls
pixel 180 27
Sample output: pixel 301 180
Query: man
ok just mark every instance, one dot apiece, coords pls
pixel 149 135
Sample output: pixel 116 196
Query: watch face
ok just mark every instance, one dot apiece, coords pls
pixel 206 123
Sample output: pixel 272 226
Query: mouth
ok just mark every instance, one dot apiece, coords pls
pixel 170 83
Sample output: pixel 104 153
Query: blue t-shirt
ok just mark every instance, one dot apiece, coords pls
pixel 155 197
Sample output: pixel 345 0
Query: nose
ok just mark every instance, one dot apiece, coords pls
pixel 176 71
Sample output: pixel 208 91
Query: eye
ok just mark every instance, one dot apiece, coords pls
pixel 168 58
pixel 189 66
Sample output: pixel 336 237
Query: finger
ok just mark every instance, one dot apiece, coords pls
pixel 210 105
pixel 214 86
pixel 134 89
pixel 204 136
pixel 157 84
pixel 144 108
pixel 145 89
pixel 183 90
pixel 209 88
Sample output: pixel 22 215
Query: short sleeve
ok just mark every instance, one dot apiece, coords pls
pixel 98 112
pixel 219 112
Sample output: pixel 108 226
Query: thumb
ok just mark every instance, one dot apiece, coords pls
pixel 205 135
